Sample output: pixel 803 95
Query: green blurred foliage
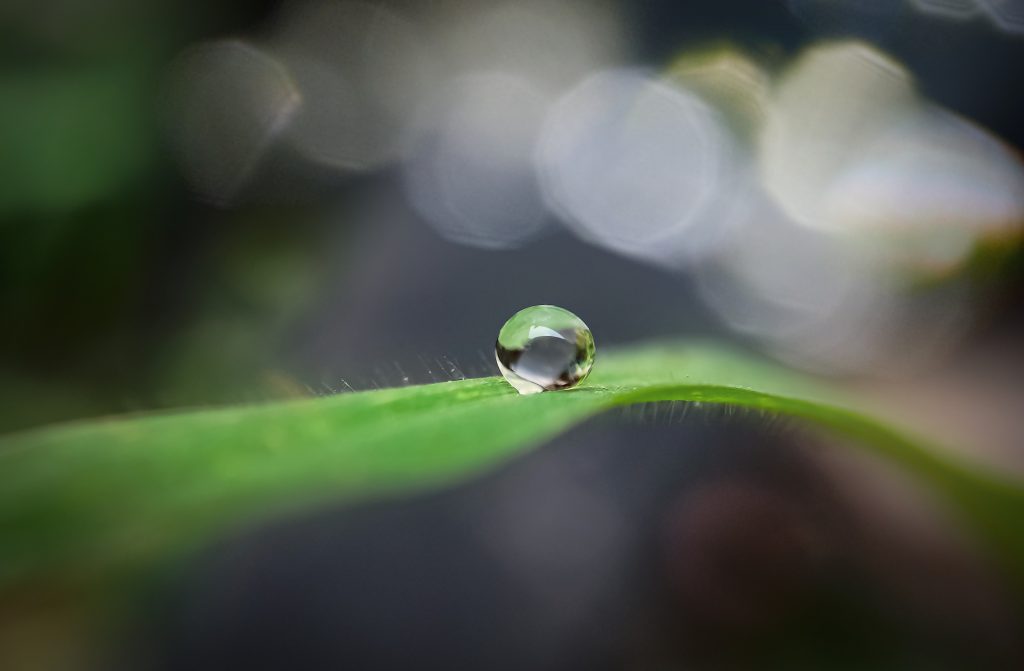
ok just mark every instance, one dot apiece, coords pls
pixel 71 138
pixel 118 291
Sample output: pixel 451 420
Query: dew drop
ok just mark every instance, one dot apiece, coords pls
pixel 544 348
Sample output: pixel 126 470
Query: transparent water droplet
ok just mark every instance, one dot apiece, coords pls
pixel 544 348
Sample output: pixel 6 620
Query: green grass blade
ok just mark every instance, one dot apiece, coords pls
pixel 92 501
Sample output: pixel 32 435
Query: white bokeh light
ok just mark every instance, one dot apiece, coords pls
pixel 954 9
pixel 823 303
pixel 1007 15
pixel 850 148
pixel 361 69
pixel 832 101
pixel 471 174
pixel 551 44
pixel 778 280
pixel 637 165
pixel 729 80
pixel 927 189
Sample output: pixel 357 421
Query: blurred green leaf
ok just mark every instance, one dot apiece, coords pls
pixel 94 500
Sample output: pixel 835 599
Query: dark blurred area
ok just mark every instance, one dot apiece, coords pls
pixel 232 202
pixel 623 545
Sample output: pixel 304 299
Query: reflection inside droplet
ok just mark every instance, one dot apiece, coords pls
pixel 543 348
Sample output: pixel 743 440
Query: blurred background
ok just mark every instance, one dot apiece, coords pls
pixel 234 202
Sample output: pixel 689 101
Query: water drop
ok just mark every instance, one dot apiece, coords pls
pixel 544 348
